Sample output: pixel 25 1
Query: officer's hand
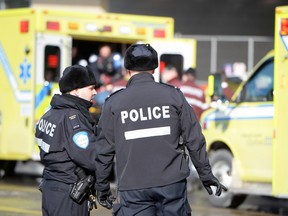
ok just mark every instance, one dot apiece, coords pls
pixel 214 182
pixel 105 198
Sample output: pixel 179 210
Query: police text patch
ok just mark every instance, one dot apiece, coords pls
pixel 81 139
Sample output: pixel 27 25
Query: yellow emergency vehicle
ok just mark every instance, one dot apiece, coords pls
pixel 35 47
pixel 247 138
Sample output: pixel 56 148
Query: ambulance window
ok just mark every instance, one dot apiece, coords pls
pixel 52 64
pixel 260 86
pixel 172 60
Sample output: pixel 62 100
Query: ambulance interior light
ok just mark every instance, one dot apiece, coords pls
pixel 284 27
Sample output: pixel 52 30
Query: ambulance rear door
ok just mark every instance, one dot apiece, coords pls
pixel 52 56
pixel 180 53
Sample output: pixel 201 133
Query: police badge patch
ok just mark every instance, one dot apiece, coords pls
pixel 81 139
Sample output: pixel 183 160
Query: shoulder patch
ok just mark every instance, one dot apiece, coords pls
pixel 81 139
pixel 74 121
pixel 114 93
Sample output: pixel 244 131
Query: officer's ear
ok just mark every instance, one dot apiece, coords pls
pixel 128 72
pixel 77 92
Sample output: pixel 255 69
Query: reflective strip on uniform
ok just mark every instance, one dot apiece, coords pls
pixel 149 132
pixel 43 145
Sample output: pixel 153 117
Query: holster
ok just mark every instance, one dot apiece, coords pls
pixel 81 189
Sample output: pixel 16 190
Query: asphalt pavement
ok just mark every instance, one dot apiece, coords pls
pixel 19 196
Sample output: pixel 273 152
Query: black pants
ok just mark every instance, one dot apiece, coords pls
pixel 56 200
pixel 170 200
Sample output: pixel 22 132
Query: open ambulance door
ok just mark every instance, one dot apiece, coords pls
pixel 280 136
pixel 53 54
pixel 180 53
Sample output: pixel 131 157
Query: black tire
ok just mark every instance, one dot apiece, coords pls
pixel 221 163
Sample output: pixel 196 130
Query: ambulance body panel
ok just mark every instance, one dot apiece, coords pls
pixel 247 138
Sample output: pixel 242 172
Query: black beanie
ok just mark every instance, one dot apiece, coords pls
pixel 74 77
pixel 141 57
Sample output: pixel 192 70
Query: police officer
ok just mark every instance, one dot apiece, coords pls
pixel 142 124
pixel 66 138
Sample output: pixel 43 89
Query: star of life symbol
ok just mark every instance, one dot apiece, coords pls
pixel 25 71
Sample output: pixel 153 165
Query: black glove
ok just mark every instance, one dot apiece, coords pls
pixel 214 182
pixel 105 198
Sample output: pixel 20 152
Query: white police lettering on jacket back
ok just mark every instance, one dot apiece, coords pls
pixel 144 114
pixel 46 127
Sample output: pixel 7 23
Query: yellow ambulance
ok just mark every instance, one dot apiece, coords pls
pixel 247 138
pixel 37 44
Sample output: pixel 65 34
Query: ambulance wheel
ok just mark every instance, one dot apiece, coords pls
pixel 221 163
pixel 7 168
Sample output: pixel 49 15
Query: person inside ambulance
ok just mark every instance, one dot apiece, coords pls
pixel 141 125
pixel 66 137
pixel 107 68
pixel 170 76
pixel 106 65
pixel 193 93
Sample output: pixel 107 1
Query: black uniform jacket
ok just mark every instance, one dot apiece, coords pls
pixel 143 124
pixel 66 138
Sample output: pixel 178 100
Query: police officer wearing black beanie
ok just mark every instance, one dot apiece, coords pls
pixel 142 125
pixel 66 138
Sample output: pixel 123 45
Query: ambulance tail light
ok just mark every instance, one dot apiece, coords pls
pixel 159 33
pixel 24 26
pixel 284 27
pixel 53 26
pixel 53 61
